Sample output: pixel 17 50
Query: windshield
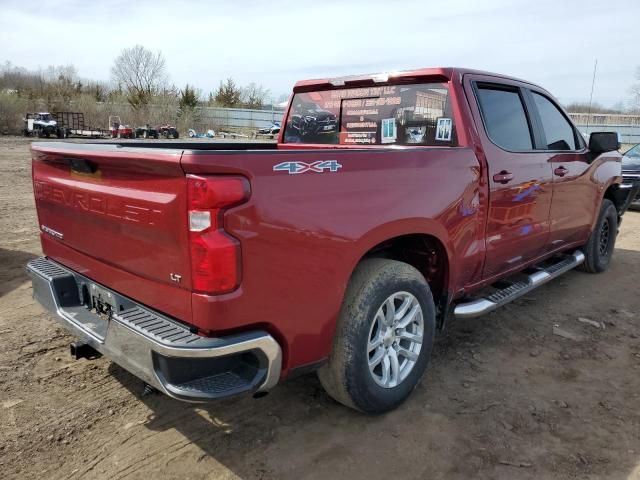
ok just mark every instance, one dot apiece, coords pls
pixel 632 157
pixel 634 152
pixel 417 114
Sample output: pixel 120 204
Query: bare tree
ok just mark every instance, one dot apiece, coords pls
pixel 141 73
pixel 635 93
pixel 254 95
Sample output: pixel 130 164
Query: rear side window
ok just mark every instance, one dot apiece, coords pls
pixel 416 114
pixel 557 129
pixel 504 118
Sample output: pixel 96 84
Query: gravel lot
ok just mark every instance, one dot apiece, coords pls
pixel 504 397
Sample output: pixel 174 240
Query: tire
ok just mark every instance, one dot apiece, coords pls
pixel 348 375
pixel 599 250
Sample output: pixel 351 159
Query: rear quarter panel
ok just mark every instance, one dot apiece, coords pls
pixel 303 234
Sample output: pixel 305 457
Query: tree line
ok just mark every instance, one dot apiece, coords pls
pixel 139 76
pixel 140 90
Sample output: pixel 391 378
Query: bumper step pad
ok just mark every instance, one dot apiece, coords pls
pixel 161 351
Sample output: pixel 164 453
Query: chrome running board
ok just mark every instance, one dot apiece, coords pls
pixel 482 305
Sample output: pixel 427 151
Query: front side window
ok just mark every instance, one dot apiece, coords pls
pixel 504 118
pixel 557 129
pixel 417 114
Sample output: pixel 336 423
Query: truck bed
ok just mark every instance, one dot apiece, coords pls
pixel 257 145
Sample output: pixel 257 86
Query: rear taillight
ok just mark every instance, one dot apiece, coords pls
pixel 215 255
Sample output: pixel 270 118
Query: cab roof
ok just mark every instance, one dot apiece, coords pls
pixel 436 73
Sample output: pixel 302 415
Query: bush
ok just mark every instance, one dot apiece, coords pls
pixel 12 111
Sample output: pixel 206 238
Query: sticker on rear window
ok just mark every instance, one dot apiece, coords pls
pixel 389 132
pixel 443 129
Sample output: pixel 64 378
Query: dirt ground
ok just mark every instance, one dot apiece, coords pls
pixel 504 396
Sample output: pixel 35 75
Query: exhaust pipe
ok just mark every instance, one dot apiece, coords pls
pixel 83 350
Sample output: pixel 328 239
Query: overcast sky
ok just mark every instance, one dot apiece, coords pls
pixel 276 42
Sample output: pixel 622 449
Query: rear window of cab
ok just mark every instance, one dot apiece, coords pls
pixel 413 114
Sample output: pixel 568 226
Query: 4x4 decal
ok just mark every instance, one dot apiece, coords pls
pixel 293 168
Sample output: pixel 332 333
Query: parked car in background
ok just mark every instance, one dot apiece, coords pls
pixel 631 171
pixel 390 204
pixel 270 130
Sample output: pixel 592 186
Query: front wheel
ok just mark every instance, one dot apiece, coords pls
pixel 599 249
pixel 383 338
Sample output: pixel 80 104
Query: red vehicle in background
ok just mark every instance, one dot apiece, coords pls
pixel 390 205
pixel 118 130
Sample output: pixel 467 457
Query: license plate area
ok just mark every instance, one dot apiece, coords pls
pixel 102 300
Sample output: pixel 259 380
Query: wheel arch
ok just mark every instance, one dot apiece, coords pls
pixel 423 248
pixel 617 195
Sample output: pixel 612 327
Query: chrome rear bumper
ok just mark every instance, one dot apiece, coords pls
pixel 159 350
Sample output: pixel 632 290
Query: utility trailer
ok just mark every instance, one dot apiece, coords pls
pixel 72 123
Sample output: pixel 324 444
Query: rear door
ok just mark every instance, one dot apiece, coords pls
pixel 520 178
pixel 575 195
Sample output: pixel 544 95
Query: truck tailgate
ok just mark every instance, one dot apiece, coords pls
pixel 125 208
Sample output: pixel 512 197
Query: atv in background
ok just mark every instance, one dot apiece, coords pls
pixel 167 131
pixel 147 132
pixel 41 124
pixel 118 130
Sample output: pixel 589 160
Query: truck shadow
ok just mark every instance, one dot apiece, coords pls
pixel 492 382
pixel 13 273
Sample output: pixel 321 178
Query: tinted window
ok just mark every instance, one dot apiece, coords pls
pixel 557 129
pixel 504 118
pixel 417 114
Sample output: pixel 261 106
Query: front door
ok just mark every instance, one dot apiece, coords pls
pixel 575 194
pixel 520 178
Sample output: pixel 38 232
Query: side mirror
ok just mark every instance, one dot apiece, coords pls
pixel 601 142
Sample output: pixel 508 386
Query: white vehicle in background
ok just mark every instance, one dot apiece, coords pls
pixel 42 124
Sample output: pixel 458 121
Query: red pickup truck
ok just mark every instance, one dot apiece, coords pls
pixel 390 204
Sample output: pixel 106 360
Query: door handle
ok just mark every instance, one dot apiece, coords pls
pixel 503 177
pixel 561 171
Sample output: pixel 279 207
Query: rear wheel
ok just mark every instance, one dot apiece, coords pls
pixel 599 249
pixel 383 338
